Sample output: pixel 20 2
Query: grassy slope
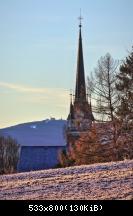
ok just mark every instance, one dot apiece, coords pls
pixel 99 181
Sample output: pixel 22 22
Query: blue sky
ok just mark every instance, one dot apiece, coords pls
pixel 38 50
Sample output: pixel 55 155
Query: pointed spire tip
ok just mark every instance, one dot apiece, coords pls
pixel 80 20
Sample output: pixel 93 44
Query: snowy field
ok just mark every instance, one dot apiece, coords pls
pixel 99 181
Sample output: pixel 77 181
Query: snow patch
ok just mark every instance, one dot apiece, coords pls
pixel 33 126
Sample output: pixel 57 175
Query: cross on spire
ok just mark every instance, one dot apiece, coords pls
pixel 80 19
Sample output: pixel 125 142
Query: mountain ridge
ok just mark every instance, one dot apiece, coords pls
pixel 48 132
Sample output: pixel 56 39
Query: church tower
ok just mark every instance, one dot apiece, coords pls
pixel 80 116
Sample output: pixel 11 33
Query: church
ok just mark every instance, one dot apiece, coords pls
pixel 80 117
pixel 41 142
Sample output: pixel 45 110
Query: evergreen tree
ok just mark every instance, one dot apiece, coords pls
pixel 125 88
pixel 86 148
pixel 125 109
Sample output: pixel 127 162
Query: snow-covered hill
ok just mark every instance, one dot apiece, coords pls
pixel 112 180
pixel 49 132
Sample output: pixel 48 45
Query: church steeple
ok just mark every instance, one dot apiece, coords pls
pixel 80 116
pixel 80 90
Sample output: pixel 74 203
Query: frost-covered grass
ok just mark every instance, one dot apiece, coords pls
pixel 99 181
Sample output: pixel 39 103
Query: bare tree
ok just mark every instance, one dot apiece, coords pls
pixel 105 95
pixel 9 155
pixel 1 155
pixel 104 90
pixel 90 86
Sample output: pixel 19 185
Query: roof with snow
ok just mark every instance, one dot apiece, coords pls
pixel 41 133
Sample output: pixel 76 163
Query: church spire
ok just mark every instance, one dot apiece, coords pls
pixel 80 90
pixel 71 114
pixel 80 116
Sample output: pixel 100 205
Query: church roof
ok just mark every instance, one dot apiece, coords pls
pixel 41 133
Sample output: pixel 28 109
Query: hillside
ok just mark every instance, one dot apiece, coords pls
pixel 49 132
pixel 99 181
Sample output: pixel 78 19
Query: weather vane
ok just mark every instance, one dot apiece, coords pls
pixel 80 19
